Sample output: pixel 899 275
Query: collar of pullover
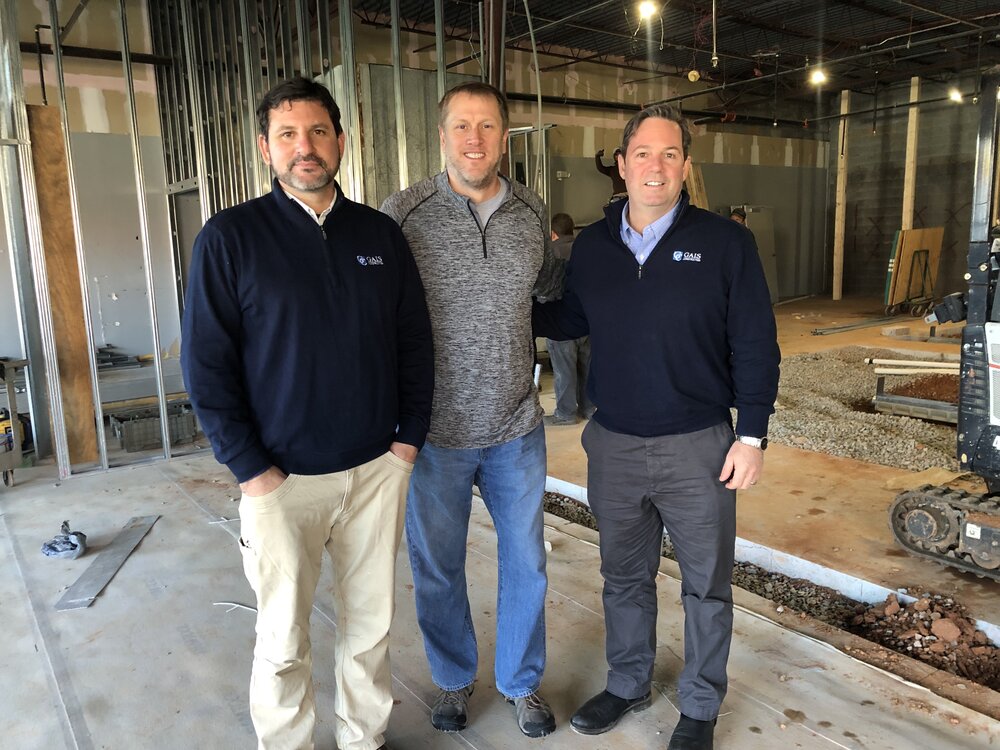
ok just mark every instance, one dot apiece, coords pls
pixel 291 210
pixel 444 187
pixel 614 214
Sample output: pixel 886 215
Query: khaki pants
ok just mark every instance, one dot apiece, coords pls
pixel 357 515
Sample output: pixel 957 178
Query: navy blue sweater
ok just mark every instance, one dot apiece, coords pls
pixel 306 348
pixel 678 341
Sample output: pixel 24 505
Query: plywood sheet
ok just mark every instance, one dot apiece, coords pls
pixel 48 153
pixel 910 281
pixel 695 185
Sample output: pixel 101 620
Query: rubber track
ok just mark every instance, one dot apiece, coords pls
pixel 944 497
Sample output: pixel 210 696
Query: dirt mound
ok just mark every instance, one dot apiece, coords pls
pixel 934 629
pixel 933 387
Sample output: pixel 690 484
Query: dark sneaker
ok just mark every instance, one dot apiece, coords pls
pixel 534 717
pixel 555 419
pixel 451 710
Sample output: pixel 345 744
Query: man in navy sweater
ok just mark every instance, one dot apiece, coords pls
pixel 681 330
pixel 308 358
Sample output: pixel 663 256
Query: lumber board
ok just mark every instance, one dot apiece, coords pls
pixel 51 170
pixel 695 185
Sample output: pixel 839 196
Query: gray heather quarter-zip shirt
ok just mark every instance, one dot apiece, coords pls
pixel 478 284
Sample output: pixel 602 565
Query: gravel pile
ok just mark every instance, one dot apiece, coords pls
pixel 824 405
pixel 934 629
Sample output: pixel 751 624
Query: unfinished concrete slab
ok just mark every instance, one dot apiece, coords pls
pixel 154 662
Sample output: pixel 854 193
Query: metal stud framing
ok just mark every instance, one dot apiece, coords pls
pixel 18 201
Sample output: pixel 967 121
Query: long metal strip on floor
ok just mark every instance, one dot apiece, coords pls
pixel 854 326
pixel 89 585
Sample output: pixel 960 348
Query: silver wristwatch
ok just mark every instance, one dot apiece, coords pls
pixel 753 442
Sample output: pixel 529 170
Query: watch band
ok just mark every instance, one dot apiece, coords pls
pixel 753 442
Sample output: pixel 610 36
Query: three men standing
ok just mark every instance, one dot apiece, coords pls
pixel 679 317
pixel 681 330
pixel 308 358
pixel 480 244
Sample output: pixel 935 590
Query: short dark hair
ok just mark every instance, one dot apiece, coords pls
pixel 297 89
pixel 664 112
pixel 738 211
pixel 475 88
pixel 563 225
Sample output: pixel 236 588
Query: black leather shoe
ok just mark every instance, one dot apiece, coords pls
pixel 603 711
pixel 691 734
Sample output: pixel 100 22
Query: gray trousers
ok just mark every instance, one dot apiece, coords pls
pixel 570 366
pixel 637 487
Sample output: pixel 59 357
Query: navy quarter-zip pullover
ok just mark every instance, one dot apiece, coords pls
pixel 305 347
pixel 679 340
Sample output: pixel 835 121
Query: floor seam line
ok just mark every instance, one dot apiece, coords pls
pixel 70 718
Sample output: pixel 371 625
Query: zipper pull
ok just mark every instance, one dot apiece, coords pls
pixel 640 272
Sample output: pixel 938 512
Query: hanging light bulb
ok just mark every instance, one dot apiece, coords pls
pixel 955 95
pixel 646 10
pixel 817 77
pixel 694 76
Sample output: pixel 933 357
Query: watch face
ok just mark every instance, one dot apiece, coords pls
pixel 763 444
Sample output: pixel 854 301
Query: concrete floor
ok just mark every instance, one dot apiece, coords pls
pixel 155 663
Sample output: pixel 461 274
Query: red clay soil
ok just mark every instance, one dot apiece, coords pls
pixel 933 387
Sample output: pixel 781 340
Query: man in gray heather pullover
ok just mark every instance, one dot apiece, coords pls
pixel 480 244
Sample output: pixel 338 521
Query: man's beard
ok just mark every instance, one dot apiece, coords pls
pixel 478 183
pixel 307 184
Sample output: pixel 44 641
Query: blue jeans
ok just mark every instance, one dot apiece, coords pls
pixel 511 480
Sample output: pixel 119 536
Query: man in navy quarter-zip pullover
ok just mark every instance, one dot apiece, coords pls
pixel 675 303
pixel 480 244
pixel 308 358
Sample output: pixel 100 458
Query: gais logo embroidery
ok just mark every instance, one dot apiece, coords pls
pixel 370 260
pixel 680 255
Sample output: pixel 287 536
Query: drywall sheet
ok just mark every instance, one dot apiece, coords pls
pixel 116 269
pixel 919 252
pixel 52 180
pixel 798 197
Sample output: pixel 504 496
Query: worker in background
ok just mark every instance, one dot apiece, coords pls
pixel 480 244
pixel 739 215
pixel 681 329
pixel 570 359
pixel 319 423
pixel 618 191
